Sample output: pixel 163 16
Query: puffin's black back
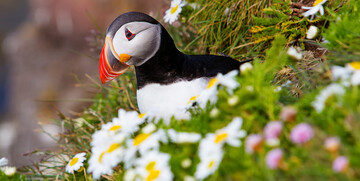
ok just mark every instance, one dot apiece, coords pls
pixel 169 65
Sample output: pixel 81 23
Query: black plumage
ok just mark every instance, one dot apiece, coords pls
pixel 169 65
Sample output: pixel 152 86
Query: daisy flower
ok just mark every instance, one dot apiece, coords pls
pixel 76 163
pixel 208 145
pixel 341 73
pixel 143 142
pixel 154 166
pixel 97 167
pixel 231 133
pixel 210 93
pixel 106 155
pixel 209 163
pixel 317 6
pixel 350 74
pixel 175 8
pixel 127 121
pixel 332 89
pixel 3 161
pixel 213 142
pixel 183 137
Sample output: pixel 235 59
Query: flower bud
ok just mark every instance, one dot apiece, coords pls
pixel 288 113
pixel 332 144
pixel 253 143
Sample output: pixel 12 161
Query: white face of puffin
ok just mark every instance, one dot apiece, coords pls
pixel 132 44
pixel 140 40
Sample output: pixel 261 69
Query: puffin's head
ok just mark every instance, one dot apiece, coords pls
pixel 131 39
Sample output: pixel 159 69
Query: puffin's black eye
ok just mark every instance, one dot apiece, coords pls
pixel 128 34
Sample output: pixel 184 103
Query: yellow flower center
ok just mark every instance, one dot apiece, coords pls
pixel 212 82
pixel 101 155
pixel 173 10
pixel 142 115
pixel 111 149
pixel 150 166
pixel 74 161
pixel 317 2
pixel 355 65
pixel 115 128
pixel 140 138
pixel 220 137
pixel 193 98
pixel 211 164
pixel 154 174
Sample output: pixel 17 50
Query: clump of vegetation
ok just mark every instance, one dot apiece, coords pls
pixel 285 119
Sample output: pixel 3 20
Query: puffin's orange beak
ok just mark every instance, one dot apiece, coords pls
pixel 111 64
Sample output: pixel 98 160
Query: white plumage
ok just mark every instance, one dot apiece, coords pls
pixel 168 100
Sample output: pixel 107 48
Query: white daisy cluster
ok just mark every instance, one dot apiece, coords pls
pixel 210 93
pixel 134 140
pixel 107 144
pixel 211 147
pixel 348 75
pixel 138 149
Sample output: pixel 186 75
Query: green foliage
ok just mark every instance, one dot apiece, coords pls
pixel 278 19
pixel 343 35
pixel 225 28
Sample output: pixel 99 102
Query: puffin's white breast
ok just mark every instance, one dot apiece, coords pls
pixel 169 100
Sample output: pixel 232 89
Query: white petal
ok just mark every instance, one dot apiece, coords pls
pixel 355 79
pixel 321 10
pixel 234 142
pixel 311 11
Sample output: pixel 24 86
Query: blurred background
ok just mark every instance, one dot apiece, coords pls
pixel 44 44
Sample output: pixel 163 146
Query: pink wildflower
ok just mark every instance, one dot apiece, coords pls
pixel 301 133
pixel 274 158
pixel 253 143
pixel 332 144
pixel 272 131
pixel 340 164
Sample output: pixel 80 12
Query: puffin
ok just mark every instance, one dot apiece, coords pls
pixel 166 78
